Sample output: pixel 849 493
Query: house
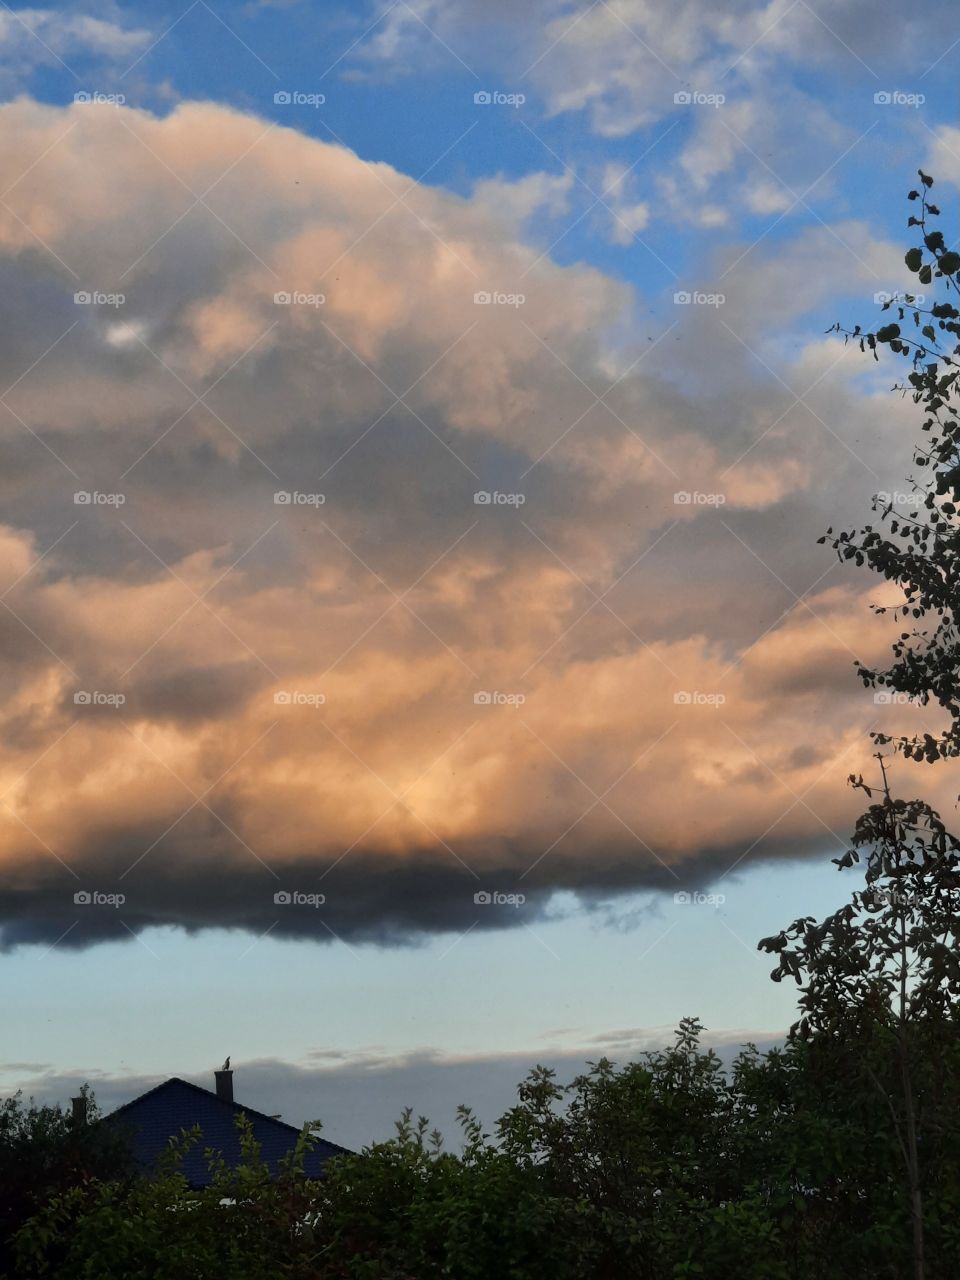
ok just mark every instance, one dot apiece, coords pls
pixel 169 1108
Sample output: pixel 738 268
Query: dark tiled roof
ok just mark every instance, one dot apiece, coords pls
pixel 164 1111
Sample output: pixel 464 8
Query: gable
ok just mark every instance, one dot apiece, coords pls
pixel 165 1111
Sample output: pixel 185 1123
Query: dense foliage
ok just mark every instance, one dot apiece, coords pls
pixel 45 1151
pixel 837 1156
pixel 785 1167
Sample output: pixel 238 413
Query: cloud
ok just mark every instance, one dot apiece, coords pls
pixel 517 200
pixel 943 154
pixel 377 686
pixel 716 89
pixel 33 38
pixel 624 64
pixel 358 1096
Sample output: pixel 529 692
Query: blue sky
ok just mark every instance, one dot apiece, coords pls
pixel 755 156
pixel 416 111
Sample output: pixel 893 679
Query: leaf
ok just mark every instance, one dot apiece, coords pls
pixel 914 259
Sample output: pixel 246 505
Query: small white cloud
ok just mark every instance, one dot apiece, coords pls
pixel 515 200
pixel 627 216
pixel 126 333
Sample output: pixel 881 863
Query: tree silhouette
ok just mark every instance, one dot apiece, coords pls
pixel 884 971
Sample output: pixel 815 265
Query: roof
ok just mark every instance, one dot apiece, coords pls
pixel 164 1111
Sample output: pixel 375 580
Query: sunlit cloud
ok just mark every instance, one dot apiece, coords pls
pixel 338 556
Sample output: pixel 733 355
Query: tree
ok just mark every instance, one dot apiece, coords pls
pixel 44 1151
pixel 665 1167
pixel 883 973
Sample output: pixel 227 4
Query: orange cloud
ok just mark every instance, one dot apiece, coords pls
pixel 376 582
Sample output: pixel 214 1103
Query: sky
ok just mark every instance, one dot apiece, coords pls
pixel 418 422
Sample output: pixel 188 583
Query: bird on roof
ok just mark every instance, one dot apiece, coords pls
pixel 226 1064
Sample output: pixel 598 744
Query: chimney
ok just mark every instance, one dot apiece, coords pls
pixel 79 1106
pixel 224 1085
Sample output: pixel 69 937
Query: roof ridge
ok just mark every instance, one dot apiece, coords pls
pixel 232 1103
